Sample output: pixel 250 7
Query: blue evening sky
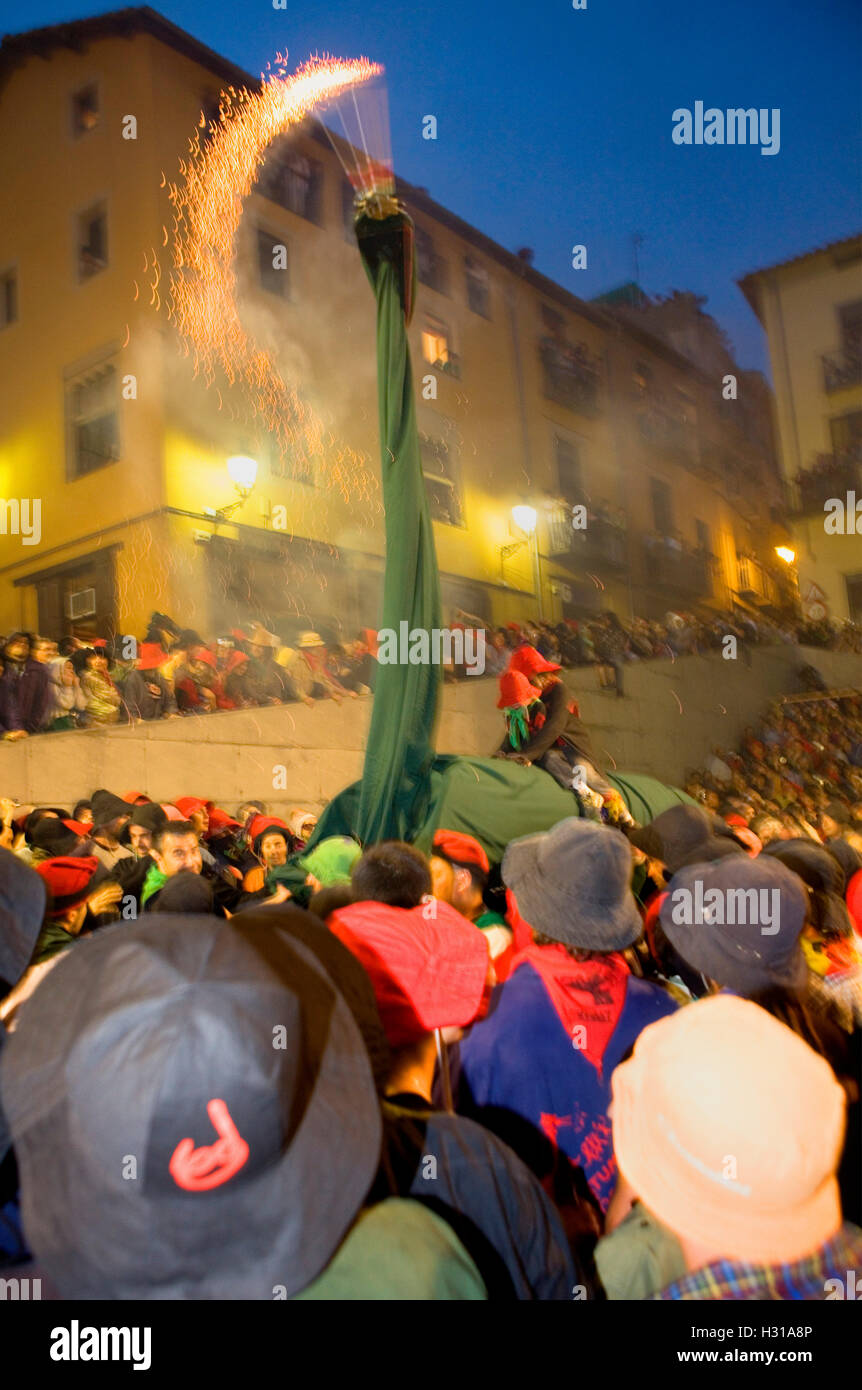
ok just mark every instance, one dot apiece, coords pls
pixel 554 124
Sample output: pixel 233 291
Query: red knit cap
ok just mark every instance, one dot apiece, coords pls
pixel 68 880
pixel 515 689
pixel 426 972
pixel 529 661
pixel 189 804
pixel 151 656
pixel 461 849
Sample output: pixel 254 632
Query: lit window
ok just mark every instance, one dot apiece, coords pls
pixel 435 345
pixel 85 109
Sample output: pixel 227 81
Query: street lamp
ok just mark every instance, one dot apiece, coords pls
pixel 242 472
pixel 526 518
pixel 785 553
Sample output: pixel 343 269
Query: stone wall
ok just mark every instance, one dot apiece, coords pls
pixel 673 714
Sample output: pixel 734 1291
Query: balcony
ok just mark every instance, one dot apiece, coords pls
pixel 603 545
pixel 840 370
pixel 570 375
pixel 831 475
pixel 678 569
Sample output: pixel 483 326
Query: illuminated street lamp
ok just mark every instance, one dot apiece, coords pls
pixel 242 472
pixel 785 553
pixel 526 518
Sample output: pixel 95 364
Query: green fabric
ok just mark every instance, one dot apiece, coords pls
pixel 331 860
pixel 496 800
pixel 646 797
pixel 640 1257
pixel 490 919
pixel 398 1251
pixel 52 939
pixel 517 725
pixel 153 883
pixel 395 779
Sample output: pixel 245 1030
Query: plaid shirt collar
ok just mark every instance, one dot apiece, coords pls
pixel 840 1260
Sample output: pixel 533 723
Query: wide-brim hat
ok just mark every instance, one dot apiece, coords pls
pixel 529 660
pixel 746 957
pixel 146 1043
pixel 23 896
pixel 259 637
pixel 724 1079
pixel 516 689
pixel 107 807
pixel 573 884
pixel 426 973
pixel 690 836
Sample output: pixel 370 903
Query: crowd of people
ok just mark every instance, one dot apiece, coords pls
pixel 260 1063
pixel 48 685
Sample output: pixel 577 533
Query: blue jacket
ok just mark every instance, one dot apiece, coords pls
pixel 520 1062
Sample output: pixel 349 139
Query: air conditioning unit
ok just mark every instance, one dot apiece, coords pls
pixel 81 604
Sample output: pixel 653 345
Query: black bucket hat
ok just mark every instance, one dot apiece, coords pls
pixel 746 956
pixel 106 807
pixel 689 836
pixel 203 1101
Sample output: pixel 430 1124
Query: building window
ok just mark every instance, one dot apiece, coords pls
pixel 642 378
pixel 92 241
pixel 348 211
pixel 662 506
pixel 210 115
pixel 704 540
pixel 440 470
pixel 846 431
pixel 8 298
pixel 292 180
pixel 92 420
pixel 85 109
pixel 431 270
pixel 570 375
pixel 478 287
pixel 853 584
pixel 437 348
pixel 272 264
pixel 850 319
pixel 568 462
pixel 552 322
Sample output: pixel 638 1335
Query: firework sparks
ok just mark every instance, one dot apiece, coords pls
pixel 208 209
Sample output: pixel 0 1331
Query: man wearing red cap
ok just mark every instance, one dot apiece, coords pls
pixel 147 693
pixel 557 739
pixel 459 876
pixel 71 896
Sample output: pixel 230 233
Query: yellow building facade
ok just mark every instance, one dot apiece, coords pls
pixel 811 311
pixel 526 395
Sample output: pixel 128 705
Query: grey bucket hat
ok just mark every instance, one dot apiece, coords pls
pixel 573 884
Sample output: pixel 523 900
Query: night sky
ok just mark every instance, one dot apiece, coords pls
pixel 554 124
